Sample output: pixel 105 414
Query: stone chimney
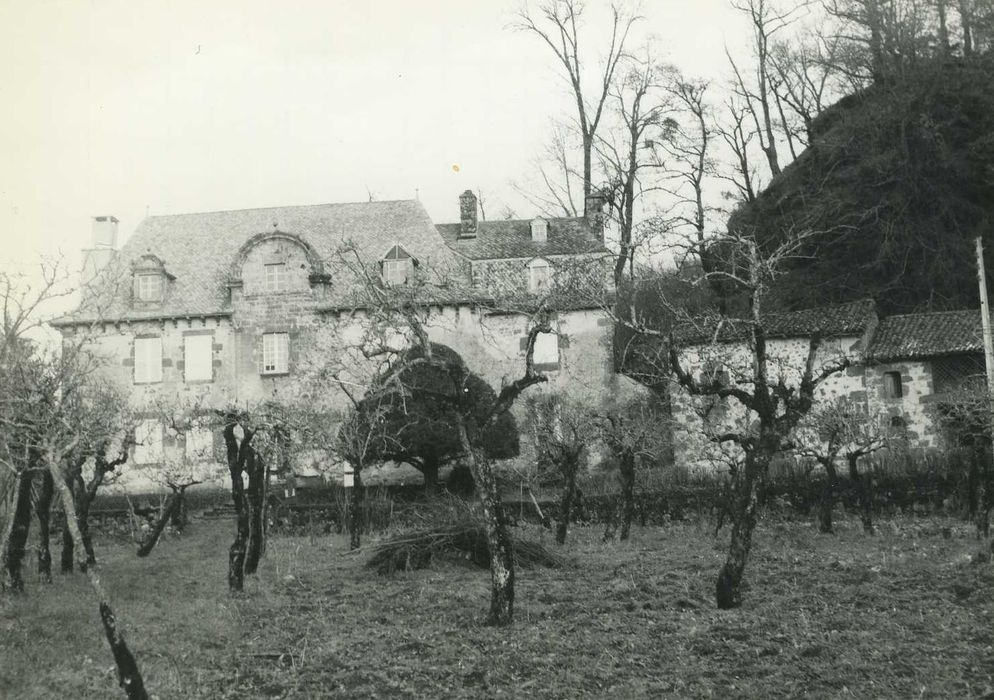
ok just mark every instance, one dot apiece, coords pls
pixel 467 214
pixel 104 244
pixel 593 212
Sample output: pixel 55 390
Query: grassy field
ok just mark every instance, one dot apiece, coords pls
pixel 903 614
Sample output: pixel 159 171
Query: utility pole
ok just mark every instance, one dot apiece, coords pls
pixel 985 318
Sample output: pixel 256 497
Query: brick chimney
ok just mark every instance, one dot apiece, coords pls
pixel 593 212
pixel 104 244
pixel 467 215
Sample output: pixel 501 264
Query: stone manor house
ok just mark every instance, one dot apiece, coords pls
pixel 223 306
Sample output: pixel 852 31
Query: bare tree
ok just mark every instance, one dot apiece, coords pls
pixel 773 395
pixel 632 150
pixel 563 427
pixel 402 315
pixel 556 23
pixel 758 89
pixel 835 429
pixel 636 430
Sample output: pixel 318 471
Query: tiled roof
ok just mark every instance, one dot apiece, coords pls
pixel 850 319
pixel 200 249
pixel 512 239
pixel 910 336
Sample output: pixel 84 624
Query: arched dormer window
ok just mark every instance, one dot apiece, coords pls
pixel 539 276
pixel 397 267
pixel 150 280
pixel 275 262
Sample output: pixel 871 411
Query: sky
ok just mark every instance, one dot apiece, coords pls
pixel 133 107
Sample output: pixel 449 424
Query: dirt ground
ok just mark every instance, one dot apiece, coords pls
pixel 903 614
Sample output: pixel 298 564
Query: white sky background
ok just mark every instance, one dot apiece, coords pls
pixel 123 106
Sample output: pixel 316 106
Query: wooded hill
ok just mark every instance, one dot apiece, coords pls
pixel 898 180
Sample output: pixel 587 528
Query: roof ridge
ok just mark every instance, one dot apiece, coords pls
pixel 933 313
pixel 278 206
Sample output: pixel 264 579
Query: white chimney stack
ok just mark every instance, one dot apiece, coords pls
pixel 103 247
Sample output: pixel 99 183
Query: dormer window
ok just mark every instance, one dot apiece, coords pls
pixel 275 277
pixel 150 280
pixel 149 287
pixel 397 267
pixel 540 230
pixel 539 276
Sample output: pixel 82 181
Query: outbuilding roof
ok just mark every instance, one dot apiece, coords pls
pixel 912 336
pixel 852 319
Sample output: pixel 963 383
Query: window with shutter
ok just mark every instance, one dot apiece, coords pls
pixel 148 442
pixel 148 360
pixel 198 358
pixel 199 445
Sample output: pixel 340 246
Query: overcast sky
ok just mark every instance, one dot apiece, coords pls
pixel 129 106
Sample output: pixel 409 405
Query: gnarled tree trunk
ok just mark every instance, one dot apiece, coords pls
pixel 17 532
pixel 863 492
pixel 256 497
pixel 43 509
pixel 627 477
pixel 173 503
pixel 429 470
pixel 728 592
pixel 237 456
pixel 827 501
pixel 355 510
pixel 566 503
pixel 498 535
pixel 128 675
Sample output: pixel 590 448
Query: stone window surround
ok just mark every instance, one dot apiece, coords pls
pixel 135 353
pixel 539 282
pixel 210 360
pixel 281 351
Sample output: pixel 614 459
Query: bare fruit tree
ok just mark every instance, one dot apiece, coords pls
pixel 842 429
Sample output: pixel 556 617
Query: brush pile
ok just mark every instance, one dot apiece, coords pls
pixel 448 529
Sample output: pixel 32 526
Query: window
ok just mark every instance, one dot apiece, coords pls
pixel 275 278
pixel 538 276
pixel 275 353
pixel 198 358
pixel 149 287
pixel 716 373
pixel 148 360
pixel 199 445
pixel 396 272
pixel 892 385
pixel 148 442
pixel 546 349
pixel 540 230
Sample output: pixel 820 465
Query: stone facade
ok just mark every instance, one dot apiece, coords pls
pixel 902 368
pixel 286 281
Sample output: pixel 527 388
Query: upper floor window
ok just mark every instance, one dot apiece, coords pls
pixel 397 267
pixel 275 279
pixel 892 385
pixel 539 276
pixel 198 365
pixel 275 353
pixel 148 442
pixel 148 360
pixel 150 287
pixel 546 349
